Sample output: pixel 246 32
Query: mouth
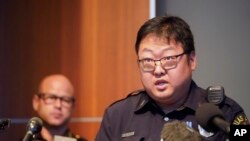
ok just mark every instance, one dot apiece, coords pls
pixel 56 115
pixel 161 84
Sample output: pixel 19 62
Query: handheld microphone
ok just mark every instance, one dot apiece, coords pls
pixel 179 131
pixel 4 123
pixel 211 118
pixel 34 126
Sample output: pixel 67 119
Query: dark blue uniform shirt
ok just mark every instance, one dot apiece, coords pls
pixel 138 118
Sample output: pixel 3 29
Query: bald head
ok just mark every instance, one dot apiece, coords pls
pixel 55 100
pixel 58 82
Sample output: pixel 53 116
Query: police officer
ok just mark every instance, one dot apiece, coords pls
pixel 54 103
pixel 166 60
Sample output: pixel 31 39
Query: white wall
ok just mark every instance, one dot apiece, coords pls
pixel 222 39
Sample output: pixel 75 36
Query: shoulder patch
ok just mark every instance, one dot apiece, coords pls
pixel 240 119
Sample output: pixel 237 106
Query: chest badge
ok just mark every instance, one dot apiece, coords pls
pixel 128 134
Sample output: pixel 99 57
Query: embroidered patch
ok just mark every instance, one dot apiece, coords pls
pixel 240 119
pixel 128 134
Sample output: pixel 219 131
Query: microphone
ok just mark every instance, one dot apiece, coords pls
pixel 211 118
pixel 34 126
pixel 179 131
pixel 4 123
pixel 215 94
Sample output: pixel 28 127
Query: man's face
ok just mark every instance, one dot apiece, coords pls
pixel 166 86
pixel 51 109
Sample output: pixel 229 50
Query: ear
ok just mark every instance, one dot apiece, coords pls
pixel 35 102
pixel 192 60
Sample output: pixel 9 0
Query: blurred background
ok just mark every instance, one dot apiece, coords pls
pixel 92 42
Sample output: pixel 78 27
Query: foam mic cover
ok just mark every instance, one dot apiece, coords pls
pixel 211 118
pixel 4 123
pixel 179 131
pixel 34 126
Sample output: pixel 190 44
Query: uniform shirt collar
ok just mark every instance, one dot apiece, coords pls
pixel 38 137
pixel 143 101
pixel 195 96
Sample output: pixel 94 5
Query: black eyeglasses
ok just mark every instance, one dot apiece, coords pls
pixel 167 62
pixel 66 101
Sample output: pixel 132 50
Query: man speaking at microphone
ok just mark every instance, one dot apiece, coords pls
pixel 54 103
pixel 166 59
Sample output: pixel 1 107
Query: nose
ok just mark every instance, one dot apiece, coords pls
pixel 58 102
pixel 159 70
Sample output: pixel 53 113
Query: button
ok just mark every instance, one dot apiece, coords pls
pixel 166 118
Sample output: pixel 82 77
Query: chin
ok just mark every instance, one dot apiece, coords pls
pixel 56 122
pixel 163 93
pixel 164 96
pixel 159 94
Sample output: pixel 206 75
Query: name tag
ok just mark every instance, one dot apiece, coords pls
pixel 128 134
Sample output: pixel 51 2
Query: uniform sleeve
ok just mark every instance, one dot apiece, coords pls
pixel 235 113
pixel 240 119
pixel 104 133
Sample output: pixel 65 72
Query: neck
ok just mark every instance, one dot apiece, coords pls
pixel 48 132
pixel 56 130
pixel 170 108
pixel 179 102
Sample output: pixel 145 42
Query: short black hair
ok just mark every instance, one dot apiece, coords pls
pixel 169 27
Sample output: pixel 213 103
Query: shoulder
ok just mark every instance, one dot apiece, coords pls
pixel 131 97
pixel 232 105
pixel 127 104
pixel 234 112
pixel 75 136
pixel 79 138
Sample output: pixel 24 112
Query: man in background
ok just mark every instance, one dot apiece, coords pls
pixel 54 104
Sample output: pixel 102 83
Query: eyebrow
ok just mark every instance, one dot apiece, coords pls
pixel 54 94
pixel 165 49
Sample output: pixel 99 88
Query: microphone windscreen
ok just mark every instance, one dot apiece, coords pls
pixel 4 123
pixel 35 125
pixel 205 114
pixel 179 131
